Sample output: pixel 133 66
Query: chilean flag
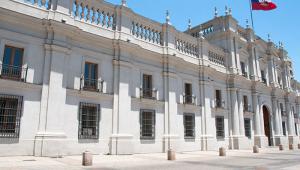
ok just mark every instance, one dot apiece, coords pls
pixel 263 5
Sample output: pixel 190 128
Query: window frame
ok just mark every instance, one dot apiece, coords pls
pixel 284 132
pixel 247 128
pixel 18 116
pixel 223 127
pixel 80 121
pixel 147 85
pixel 188 93
pixel 153 124
pixel 89 78
pixel 218 98
pixel 193 126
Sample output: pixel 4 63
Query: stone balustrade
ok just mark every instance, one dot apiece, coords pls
pixel 186 44
pixel 216 58
pixel 94 12
pixel 147 32
pixel 39 3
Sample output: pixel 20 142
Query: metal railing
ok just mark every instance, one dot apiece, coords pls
pixel 189 99
pixel 148 93
pixel 91 84
pixel 12 72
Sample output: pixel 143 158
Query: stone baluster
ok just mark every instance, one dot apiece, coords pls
pixel 104 19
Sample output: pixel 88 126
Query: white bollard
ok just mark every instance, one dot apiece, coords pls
pixel 87 158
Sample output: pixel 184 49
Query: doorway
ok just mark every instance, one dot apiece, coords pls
pixel 267 124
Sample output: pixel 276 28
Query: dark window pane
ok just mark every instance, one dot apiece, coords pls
pixel 7 56
pixel 147 124
pixel 89 121
pixel 189 125
pixel 220 127
pixel 247 124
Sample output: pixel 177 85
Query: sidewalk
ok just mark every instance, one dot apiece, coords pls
pixel 270 158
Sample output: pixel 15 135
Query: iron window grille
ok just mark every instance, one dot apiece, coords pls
pixel 247 124
pixel 189 126
pixel 10 115
pixel 220 133
pixel 89 117
pixel 147 124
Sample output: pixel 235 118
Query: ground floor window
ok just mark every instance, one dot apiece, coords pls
pixel 189 125
pixel 247 124
pixel 89 117
pixel 220 127
pixel 284 128
pixel 296 129
pixel 147 124
pixel 10 115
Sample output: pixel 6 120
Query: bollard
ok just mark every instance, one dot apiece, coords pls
pixel 280 147
pixel 255 149
pixel 222 151
pixel 291 147
pixel 171 155
pixel 87 158
pixel 298 146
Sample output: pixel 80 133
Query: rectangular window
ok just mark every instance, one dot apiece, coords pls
pixel 189 125
pixel 296 129
pixel 91 76
pixel 281 109
pixel 263 77
pixel 147 86
pixel 247 124
pixel 147 124
pixel 284 128
pixel 89 117
pixel 243 68
pixel 10 115
pixel 12 63
pixel 220 127
pixel 218 98
pixel 188 93
pixel 246 105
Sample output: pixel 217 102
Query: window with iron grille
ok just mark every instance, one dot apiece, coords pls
pixel 247 124
pixel 147 86
pixel 11 67
pixel 189 125
pixel 220 127
pixel 296 129
pixel 89 117
pixel 147 124
pixel 91 77
pixel 10 115
pixel 284 128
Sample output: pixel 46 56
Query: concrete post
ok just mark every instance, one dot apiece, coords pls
pixel 222 151
pixel 87 158
pixel 171 155
pixel 255 149
pixel 280 147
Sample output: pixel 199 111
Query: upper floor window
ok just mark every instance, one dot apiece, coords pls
pixel 246 104
pixel 91 76
pixel 243 68
pixel 218 98
pixel 147 86
pixel 281 109
pixel 189 125
pixel 284 128
pixel 12 63
pixel 263 77
pixel 147 124
pixel 10 115
pixel 188 90
pixel 89 117
pixel 296 129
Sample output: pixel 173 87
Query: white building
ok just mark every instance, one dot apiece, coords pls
pixel 80 75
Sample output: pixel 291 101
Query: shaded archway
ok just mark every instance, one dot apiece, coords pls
pixel 267 124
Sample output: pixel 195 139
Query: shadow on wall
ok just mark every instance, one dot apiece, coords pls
pixel 9 140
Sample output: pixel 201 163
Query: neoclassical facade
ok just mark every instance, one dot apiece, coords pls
pixel 80 75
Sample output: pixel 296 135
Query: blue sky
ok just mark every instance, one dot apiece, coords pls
pixel 283 24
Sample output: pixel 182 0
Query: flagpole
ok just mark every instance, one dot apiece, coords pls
pixel 251 12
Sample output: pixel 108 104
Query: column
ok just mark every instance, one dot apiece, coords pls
pixel 276 116
pixel 262 124
pixel 290 122
pixel 241 113
pixel 234 112
pixel 256 106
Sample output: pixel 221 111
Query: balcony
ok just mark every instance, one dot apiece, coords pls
pixel 93 85
pixel 247 108
pixel 264 80
pixel 219 104
pixel 15 73
pixel 189 99
pixel 148 93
